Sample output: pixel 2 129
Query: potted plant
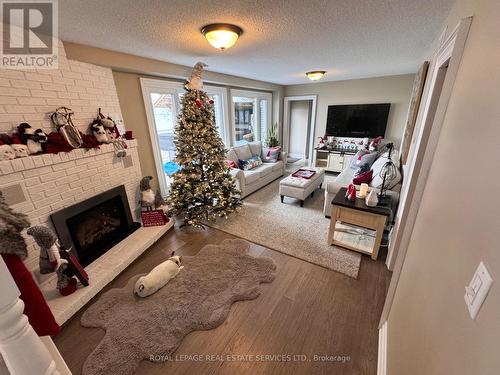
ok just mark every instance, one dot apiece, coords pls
pixel 272 136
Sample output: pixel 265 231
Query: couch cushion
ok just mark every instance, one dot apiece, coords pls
pixel 271 155
pixel 243 152
pixel 264 169
pixel 277 166
pixel 362 158
pixel 256 148
pixel 251 163
pixel 251 176
pixel 377 178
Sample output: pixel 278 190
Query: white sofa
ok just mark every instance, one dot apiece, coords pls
pixel 249 181
pixel 345 178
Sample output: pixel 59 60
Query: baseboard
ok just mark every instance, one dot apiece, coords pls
pixel 382 350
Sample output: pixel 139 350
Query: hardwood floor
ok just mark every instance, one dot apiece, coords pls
pixel 307 311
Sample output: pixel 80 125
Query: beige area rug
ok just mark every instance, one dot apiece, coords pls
pixel 198 298
pixel 290 229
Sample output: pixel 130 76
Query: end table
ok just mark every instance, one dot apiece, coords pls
pixel 359 214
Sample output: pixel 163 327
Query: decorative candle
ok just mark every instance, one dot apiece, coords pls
pixel 363 190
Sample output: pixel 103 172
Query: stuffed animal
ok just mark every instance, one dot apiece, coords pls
pixel 160 203
pixel 147 196
pixel 159 276
pixel 99 132
pixel 109 126
pixel 66 284
pixel 20 150
pixel 36 140
pixel 194 82
pixel 49 260
pixel 6 151
pixel 11 225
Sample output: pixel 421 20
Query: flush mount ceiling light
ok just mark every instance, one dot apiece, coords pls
pixel 315 74
pixel 221 35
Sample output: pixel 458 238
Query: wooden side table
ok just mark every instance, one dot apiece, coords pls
pixel 359 214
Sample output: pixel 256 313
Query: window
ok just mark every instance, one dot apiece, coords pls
pixel 162 101
pixel 251 115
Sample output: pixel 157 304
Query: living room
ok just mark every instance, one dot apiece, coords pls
pixel 232 187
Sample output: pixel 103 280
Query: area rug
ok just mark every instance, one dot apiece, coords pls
pixel 198 298
pixel 286 227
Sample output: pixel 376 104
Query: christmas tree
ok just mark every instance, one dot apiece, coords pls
pixel 203 188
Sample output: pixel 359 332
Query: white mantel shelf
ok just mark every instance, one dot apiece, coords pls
pixel 47 160
pixel 102 271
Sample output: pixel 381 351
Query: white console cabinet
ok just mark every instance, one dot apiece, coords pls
pixel 333 160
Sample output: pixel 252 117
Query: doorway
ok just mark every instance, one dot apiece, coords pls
pixel 299 127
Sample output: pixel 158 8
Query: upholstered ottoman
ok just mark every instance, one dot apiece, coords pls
pixel 301 188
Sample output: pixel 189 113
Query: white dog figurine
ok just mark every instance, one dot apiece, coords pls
pixel 158 277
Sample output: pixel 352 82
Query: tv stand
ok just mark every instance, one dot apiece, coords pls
pixel 333 160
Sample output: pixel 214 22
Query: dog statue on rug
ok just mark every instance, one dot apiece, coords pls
pixel 159 276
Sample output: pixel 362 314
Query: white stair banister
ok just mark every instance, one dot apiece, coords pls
pixel 22 350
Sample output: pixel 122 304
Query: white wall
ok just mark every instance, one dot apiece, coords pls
pixel 429 329
pixel 299 122
pixel 390 89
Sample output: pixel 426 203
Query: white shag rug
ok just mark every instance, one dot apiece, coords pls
pixel 301 232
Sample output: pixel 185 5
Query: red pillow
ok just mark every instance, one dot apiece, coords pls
pixel 230 164
pixel 363 178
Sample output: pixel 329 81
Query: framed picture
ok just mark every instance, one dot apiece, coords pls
pixel 416 97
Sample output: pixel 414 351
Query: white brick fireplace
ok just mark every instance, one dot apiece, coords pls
pixel 40 185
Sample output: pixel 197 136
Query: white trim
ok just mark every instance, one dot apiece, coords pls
pixel 382 350
pixel 312 124
pixel 430 121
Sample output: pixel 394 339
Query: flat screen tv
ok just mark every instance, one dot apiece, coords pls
pixel 357 120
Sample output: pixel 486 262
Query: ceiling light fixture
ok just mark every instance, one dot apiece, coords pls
pixel 221 35
pixel 315 74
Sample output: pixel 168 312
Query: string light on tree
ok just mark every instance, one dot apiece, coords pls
pixel 203 188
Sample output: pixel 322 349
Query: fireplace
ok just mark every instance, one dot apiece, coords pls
pixel 92 227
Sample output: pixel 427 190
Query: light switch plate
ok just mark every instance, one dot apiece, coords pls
pixel 477 290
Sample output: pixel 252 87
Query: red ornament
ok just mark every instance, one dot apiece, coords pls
pixel 199 103
pixel 211 101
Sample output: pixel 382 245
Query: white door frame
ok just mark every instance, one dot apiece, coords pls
pixel 430 121
pixel 312 124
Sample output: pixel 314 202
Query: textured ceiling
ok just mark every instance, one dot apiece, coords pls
pixel 282 38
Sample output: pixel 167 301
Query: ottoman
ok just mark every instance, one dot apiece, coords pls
pixel 301 188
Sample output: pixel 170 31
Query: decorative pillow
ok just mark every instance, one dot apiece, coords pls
pixel 243 152
pixel 255 147
pixel 271 154
pixel 250 163
pixel 364 168
pixel 363 157
pixel 231 155
pixel 377 178
pixel 363 178
pixel 231 164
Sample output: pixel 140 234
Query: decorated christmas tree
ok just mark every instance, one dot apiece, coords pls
pixel 203 188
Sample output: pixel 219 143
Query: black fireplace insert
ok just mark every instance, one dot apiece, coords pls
pixel 92 227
